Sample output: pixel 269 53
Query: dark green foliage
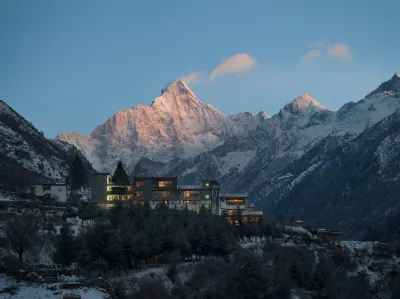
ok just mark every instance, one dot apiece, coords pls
pixel 77 175
pixel 245 276
pixel 66 247
pixel 126 236
pixel 120 176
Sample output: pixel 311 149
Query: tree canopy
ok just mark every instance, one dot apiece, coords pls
pixel 120 176
pixel 77 175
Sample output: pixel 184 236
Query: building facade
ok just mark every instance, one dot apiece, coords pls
pixel 165 190
pixel 55 191
pixel 155 190
pixel 195 197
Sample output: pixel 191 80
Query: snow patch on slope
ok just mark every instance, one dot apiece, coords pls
pixel 236 161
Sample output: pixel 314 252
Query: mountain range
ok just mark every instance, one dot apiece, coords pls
pixel 326 167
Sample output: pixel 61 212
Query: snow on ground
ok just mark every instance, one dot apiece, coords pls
pixel 298 230
pixel 354 246
pixel 40 291
pixel 4 198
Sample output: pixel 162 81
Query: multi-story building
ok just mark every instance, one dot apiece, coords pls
pixel 165 190
pixel 155 190
pixel 194 197
pixel 230 205
pixel 105 192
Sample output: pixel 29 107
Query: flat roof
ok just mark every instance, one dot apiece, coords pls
pixel 191 187
pixel 47 184
pixel 155 178
pixel 229 195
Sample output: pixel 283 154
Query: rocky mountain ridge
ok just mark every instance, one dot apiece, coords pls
pixel 26 156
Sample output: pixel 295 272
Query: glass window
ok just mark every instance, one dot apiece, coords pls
pixel 130 188
pixel 139 193
pixel 139 184
pixel 160 194
pixel 207 196
pixel 235 202
pixel 162 184
pixel 191 193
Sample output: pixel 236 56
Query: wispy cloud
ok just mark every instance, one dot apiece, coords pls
pixel 311 56
pixel 191 78
pixel 340 51
pixel 332 51
pixel 239 63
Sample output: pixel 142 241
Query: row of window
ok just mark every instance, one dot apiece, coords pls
pixel 130 197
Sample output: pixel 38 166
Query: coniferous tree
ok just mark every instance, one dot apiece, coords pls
pixel 77 176
pixel 66 251
pixel 120 176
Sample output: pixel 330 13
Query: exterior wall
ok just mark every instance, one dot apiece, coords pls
pixel 194 197
pixel 155 190
pixel 98 185
pixel 59 192
pixel 230 203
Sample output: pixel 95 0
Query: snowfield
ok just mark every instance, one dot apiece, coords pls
pixel 42 291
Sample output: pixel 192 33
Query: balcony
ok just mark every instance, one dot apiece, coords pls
pixel 119 191
pixel 252 213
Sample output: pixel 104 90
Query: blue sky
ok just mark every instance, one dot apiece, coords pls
pixel 69 65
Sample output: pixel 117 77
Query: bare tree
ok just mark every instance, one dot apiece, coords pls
pixel 20 235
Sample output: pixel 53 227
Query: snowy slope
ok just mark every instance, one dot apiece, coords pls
pixel 176 124
pixel 26 155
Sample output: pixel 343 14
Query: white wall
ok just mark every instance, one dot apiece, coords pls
pixel 57 191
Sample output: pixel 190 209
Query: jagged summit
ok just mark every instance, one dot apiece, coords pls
pixel 178 86
pixel 304 102
pixel 389 87
pixel 263 115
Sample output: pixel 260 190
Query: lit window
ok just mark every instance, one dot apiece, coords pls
pixel 162 184
pixel 139 193
pixel 207 196
pixel 129 188
pixel 188 194
pixel 139 184
pixel 207 184
pixel 235 202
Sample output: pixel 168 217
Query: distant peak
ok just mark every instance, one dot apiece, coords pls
pixel 304 102
pixel 389 87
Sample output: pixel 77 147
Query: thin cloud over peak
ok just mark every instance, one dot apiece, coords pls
pixel 191 78
pixel 236 64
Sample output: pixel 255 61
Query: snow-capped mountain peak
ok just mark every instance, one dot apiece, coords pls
pixel 390 87
pixel 177 87
pixel 305 102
